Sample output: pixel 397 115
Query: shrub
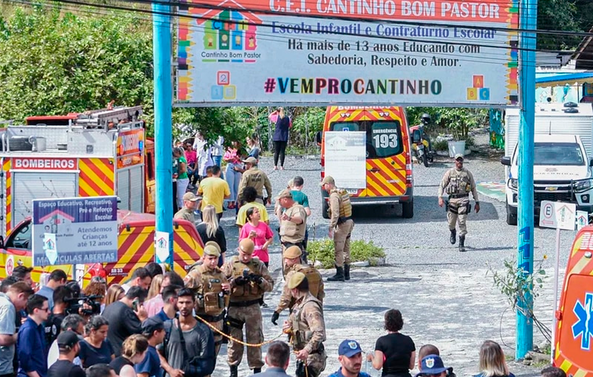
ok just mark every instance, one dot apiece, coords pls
pixel 360 250
pixel 441 145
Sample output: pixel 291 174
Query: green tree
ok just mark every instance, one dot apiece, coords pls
pixel 56 63
pixel 558 15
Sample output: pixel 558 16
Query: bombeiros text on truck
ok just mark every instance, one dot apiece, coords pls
pixel 92 154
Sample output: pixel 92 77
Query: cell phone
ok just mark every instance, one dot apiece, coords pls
pixel 135 305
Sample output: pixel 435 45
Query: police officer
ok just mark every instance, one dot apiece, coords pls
pixel 306 328
pixel 257 179
pixel 340 227
pixel 292 265
pixel 190 204
pixel 249 280
pixel 212 288
pixel 293 221
pixel 458 182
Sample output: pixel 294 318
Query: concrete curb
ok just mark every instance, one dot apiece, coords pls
pixel 373 262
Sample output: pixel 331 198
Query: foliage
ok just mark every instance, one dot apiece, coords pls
pixel 307 121
pixel 521 289
pixel 56 63
pixel 455 120
pixel 560 15
pixel 440 145
pixel 360 250
pixel 234 124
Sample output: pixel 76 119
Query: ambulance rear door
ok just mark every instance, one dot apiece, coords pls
pixel 386 151
pixel 574 330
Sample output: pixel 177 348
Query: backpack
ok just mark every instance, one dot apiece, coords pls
pixel 314 278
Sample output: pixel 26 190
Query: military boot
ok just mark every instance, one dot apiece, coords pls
pixel 453 237
pixel 462 243
pixel 346 272
pixel 234 371
pixel 256 370
pixel 339 276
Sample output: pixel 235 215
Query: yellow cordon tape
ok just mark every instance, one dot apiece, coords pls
pixel 249 344
pixel 237 340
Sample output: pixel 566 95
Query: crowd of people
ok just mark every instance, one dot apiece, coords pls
pixel 161 324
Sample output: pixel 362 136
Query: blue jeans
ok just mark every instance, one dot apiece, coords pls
pixel 233 178
pixel 217 160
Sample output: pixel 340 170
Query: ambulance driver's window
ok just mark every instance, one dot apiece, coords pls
pixel 345 126
pixel 21 239
pixel 386 138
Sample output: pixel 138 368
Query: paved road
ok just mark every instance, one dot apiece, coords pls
pixel 447 298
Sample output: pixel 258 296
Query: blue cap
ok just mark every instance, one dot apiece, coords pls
pixel 431 364
pixel 349 348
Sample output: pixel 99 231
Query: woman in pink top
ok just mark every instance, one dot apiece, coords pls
pixel 233 172
pixel 259 232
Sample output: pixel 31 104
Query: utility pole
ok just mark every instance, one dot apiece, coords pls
pixel 528 9
pixel 163 114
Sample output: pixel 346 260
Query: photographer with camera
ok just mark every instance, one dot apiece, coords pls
pixel 188 348
pixel 125 317
pixel 250 279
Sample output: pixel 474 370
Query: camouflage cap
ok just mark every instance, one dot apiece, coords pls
pixel 295 280
pixel 292 252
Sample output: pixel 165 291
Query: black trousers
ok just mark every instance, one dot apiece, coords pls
pixel 279 152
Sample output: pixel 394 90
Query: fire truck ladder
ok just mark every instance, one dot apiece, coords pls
pixel 109 118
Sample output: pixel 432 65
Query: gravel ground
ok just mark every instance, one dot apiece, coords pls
pixel 447 298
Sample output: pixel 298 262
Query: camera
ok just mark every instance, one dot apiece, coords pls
pixel 76 305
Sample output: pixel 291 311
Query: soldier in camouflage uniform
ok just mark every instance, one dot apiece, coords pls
pixel 292 264
pixel 340 227
pixel 190 204
pixel 306 328
pixel 458 182
pixel 249 280
pixel 212 288
pixel 257 179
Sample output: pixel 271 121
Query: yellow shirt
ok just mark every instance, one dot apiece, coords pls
pixel 242 215
pixel 214 190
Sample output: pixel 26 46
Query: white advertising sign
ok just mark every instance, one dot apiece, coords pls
pixel 407 52
pixel 74 231
pixel 345 158
pixel 582 219
pixel 557 215
pixel 161 246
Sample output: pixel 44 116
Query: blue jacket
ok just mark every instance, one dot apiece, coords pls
pixel 338 373
pixel 31 349
pixel 273 372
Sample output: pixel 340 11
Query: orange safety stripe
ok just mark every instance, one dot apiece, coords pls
pixel 389 170
pixel 96 177
pixel 379 181
pixel 185 247
pixel 139 250
pixel 8 175
pixel 577 265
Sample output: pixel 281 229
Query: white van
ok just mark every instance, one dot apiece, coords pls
pixel 561 172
